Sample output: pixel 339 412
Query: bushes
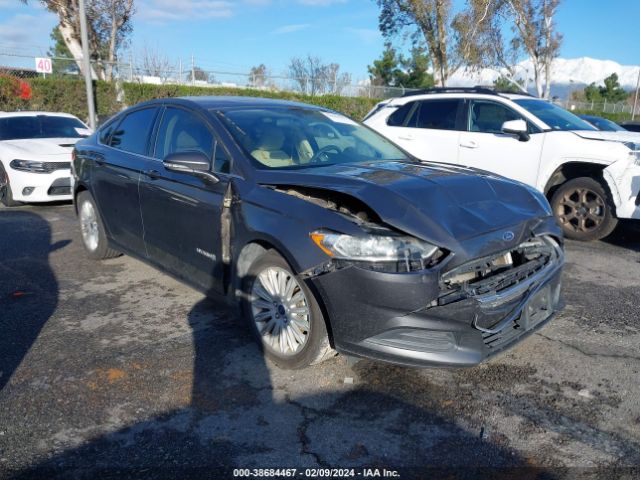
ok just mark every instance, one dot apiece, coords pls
pixel 66 94
pixel 614 117
pixel 356 107
pixel 14 93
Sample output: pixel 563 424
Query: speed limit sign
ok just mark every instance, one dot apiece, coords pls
pixel 43 65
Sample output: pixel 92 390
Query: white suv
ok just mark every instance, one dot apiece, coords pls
pixel 590 177
pixel 35 156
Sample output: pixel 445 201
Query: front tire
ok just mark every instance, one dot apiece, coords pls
pixel 284 314
pixel 584 209
pixel 6 194
pixel 92 230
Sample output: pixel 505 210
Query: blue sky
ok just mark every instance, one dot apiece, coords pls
pixel 233 35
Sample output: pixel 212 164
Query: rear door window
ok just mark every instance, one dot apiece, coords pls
pixel 488 117
pixel 132 133
pixel 436 114
pixel 401 115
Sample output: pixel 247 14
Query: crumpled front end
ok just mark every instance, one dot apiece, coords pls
pixel 623 179
pixel 455 315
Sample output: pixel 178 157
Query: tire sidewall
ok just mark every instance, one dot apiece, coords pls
pixel 318 329
pixel 7 198
pixel 608 223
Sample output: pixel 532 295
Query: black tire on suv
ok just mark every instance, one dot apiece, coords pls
pixel 584 209
pixel 6 196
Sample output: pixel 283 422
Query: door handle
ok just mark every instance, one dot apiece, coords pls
pixel 152 174
pixel 469 144
pixel 406 137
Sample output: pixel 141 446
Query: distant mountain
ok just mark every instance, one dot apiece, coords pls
pixel 568 75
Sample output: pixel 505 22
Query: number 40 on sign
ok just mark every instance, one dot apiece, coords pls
pixel 43 65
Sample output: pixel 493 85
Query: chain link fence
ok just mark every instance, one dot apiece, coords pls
pixel 162 73
pixel 622 108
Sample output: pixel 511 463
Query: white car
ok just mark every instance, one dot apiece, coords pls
pixel 35 156
pixel 590 177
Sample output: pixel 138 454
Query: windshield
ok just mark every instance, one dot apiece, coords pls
pixel 604 124
pixel 291 137
pixel 41 126
pixel 556 117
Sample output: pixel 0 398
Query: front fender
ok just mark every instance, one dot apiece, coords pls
pixel 623 180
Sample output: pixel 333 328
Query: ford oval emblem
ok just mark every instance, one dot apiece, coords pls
pixel 508 236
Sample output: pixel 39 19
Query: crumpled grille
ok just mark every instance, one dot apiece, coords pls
pixel 497 272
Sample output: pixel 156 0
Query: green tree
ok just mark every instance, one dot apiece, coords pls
pixel 612 91
pixel 413 72
pixel 592 93
pixel 395 70
pixel 384 70
pixel 58 51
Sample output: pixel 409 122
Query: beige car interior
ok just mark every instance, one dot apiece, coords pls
pixel 274 149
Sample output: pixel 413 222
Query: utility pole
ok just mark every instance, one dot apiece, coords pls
pixel 635 99
pixel 193 70
pixel 180 72
pixel 131 66
pixel 88 81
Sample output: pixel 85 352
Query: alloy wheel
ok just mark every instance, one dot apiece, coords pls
pixel 89 226
pixel 280 310
pixel 581 210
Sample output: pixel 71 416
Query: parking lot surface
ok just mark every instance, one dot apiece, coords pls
pixel 111 367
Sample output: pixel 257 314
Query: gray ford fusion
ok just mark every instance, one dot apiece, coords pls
pixel 328 236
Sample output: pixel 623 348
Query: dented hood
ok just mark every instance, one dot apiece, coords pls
pixel 430 201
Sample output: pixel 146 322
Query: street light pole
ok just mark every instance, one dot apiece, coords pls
pixel 635 100
pixel 86 65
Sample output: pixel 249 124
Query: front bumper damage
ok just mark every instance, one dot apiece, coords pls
pixel 453 317
pixel 623 179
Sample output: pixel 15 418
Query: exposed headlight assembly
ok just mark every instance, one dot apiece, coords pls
pixel 29 166
pixel 387 253
pixel 635 151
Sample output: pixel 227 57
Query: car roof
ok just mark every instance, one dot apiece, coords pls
pixel 224 102
pixel 34 114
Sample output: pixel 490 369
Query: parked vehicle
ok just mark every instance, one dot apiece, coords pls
pixel 35 156
pixel 603 124
pixel 631 126
pixel 591 178
pixel 328 235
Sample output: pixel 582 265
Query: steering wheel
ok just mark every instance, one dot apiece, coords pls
pixel 316 157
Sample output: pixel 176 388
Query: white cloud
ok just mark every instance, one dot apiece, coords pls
pixel 175 10
pixel 290 28
pixel 26 33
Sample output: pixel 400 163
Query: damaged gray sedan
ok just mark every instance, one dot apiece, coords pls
pixel 328 236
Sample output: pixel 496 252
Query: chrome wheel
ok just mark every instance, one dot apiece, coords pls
pixel 581 210
pixel 89 226
pixel 280 310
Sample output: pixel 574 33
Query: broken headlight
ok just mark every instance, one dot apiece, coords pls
pixel 635 151
pixel 387 253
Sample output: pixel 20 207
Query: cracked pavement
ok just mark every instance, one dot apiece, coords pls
pixel 113 368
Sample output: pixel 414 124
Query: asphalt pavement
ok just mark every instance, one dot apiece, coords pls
pixel 112 369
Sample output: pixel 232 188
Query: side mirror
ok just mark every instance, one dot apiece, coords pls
pixel 516 127
pixel 192 162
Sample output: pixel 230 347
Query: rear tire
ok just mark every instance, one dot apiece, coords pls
pixel 6 193
pixel 92 229
pixel 584 210
pixel 283 314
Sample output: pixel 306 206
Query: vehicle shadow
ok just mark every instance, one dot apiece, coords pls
pixel 28 286
pixel 626 235
pixel 244 412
